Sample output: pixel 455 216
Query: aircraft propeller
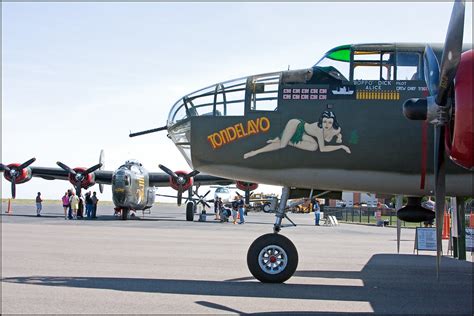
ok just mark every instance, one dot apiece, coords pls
pixel 78 176
pixel 201 199
pixel 436 108
pixel 15 172
pixel 102 162
pixel 180 180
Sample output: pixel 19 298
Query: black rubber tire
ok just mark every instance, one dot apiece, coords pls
pixel 266 208
pixel 266 240
pixel 190 211
pixel 124 214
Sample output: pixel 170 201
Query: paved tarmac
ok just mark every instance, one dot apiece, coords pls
pixel 164 265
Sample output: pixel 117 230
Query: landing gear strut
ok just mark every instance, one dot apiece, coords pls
pixel 273 258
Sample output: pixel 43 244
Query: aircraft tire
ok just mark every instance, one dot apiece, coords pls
pixel 266 208
pixel 190 211
pixel 272 258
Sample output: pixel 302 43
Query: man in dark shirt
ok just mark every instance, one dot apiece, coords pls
pixel 39 207
pixel 94 204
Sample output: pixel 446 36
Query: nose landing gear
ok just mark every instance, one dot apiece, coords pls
pixel 273 258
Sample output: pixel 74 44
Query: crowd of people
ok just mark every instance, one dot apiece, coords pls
pixel 74 206
pixel 236 209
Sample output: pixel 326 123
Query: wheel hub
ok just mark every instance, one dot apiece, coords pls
pixel 273 259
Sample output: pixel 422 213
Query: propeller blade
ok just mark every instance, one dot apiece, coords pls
pixel 180 196
pixel 101 161
pixel 192 174
pixel 440 190
pixel 13 187
pixel 451 52
pixel 93 168
pixel 26 164
pixel 204 196
pixel 168 171
pixel 66 168
pixel 78 188
pixel 4 167
pixel 431 68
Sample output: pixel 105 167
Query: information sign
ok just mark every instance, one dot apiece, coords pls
pixel 425 238
pixel 469 239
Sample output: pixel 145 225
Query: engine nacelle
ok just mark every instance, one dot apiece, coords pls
pixel 413 212
pixel 23 176
pixel 88 181
pixel 246 186
pixel 462 146
pixel 174 182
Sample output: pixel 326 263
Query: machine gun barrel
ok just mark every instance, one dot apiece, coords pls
pixel 148 131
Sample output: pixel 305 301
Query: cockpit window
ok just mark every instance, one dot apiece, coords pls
pixel 222 190
pixel 337 59
pixel 373 65
pixel 409 66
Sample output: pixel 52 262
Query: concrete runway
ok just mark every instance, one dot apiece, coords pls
pixel 163 264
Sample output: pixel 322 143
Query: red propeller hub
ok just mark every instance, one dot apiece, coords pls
pixel 23 175
pixel 87 179
pixel 185 182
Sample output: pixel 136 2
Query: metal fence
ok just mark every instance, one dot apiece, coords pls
pixel 368 215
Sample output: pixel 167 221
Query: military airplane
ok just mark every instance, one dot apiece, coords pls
pixel 340 125
pixel 133 187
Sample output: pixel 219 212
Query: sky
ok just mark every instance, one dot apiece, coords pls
pixel 78 77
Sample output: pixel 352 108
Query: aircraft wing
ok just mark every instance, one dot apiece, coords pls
pixel 161 179
pixel 101 176
pixel 157 179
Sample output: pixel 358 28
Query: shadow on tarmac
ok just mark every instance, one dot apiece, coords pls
pixel 395 284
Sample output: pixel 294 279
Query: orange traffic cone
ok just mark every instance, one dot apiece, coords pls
pixel 9 209
pixel 447 221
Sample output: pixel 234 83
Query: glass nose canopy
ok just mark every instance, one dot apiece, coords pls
pixel 222 99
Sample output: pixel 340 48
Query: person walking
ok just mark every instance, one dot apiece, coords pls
pixel 65 200
pixel 317 212
pixel 74 202
pixel 39 207
pixel 95 200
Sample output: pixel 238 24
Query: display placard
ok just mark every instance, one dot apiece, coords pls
pixel 425 238
pixel 469 239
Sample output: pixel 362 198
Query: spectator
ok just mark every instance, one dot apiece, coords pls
pixel 80 210
pixel 89 205
pixel 240 205
pixel 317 212
pixel 218 207
pixel 65 200
pixel 95 200
pixel 39 207
pixel 235 207
pixel 69 194
pixel 74 202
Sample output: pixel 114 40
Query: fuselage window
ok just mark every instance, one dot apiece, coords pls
pixel 264 92
pixel 369 65
pixel 409 66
